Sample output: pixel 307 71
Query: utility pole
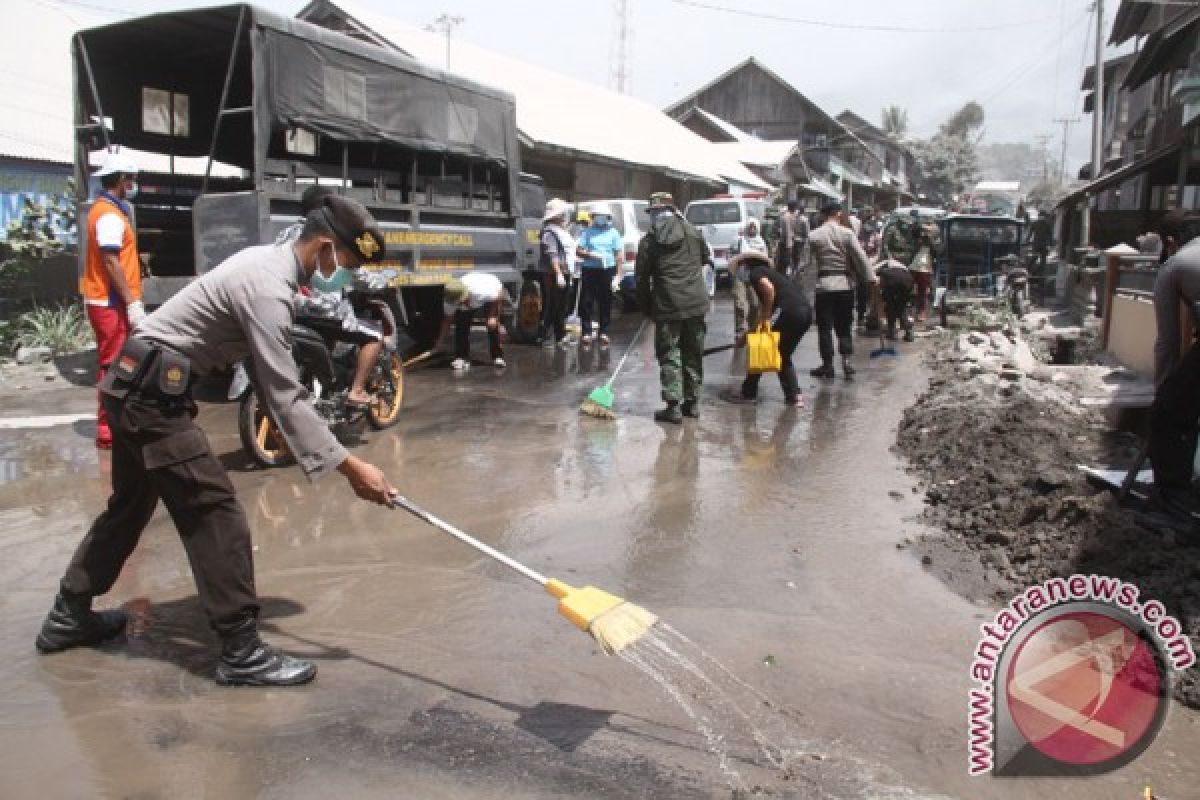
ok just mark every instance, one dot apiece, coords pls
pixel 1097 123
pixel 447 24
pixel 621 52
pixel 1043 141
pixel 1062 165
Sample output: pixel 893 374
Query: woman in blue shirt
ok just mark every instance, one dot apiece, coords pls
pixel 601 252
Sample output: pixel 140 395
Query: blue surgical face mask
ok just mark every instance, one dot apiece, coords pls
pixel 601 222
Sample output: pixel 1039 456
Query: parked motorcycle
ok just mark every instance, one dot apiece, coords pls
pixel 1016 285
pixel 326 364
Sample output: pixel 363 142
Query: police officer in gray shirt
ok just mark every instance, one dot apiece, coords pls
pixel 1173 417
pixel 243 308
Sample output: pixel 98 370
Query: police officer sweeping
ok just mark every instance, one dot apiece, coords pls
pixel 243 308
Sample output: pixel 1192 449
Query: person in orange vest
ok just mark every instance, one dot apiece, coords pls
pixel 112 275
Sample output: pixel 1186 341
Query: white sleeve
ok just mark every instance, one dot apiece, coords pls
pixel 110 231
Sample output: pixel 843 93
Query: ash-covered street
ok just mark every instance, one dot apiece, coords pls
pixel 767 535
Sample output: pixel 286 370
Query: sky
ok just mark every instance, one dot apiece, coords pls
pixel 1021 59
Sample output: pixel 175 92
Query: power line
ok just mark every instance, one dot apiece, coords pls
pixel 851 26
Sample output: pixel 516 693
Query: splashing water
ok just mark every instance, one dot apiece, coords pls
pixel 726 710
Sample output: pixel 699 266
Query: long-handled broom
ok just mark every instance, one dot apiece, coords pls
pixel 600 402
pixel 613 622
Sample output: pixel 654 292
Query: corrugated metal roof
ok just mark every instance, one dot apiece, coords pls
pixel 35 80
pixel 558 111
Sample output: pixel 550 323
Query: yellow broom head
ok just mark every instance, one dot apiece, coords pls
pixel 596 410
pixel 613 622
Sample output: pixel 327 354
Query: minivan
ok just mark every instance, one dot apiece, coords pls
pixel 721 220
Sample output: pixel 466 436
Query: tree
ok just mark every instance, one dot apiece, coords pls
pixel 965 121
pixel 895 122
pixel 946 166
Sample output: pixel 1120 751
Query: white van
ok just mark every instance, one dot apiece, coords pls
pixel 721 220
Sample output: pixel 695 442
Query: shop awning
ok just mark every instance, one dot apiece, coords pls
pixel 1119 176
pixel 1167 48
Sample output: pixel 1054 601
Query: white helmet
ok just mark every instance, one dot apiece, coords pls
pixel 114 163
pixel 599 208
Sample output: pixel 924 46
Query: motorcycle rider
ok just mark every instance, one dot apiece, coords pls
pixel 325 301
pixel 245 307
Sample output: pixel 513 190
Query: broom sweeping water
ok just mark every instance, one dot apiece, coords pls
pixel 613 623
pixel 600 402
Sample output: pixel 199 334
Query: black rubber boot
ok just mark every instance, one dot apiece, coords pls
pixel 691 409
pixel 72 623
pixel 823 371
pixel 670 414
pixel 847 368
pixel 247 660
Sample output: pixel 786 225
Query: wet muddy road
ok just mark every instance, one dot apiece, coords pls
pixel 767 535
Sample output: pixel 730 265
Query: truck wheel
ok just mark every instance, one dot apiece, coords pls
pixel 386 386
pixel 261 440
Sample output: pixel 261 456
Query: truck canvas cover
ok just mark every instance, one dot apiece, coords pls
pixel 303 76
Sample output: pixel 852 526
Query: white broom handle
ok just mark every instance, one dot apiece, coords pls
pixel 628 350
pixel 401 501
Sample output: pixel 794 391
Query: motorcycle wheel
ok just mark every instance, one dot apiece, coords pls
pixel 386 386
pixel 261 440
pixel 527 316
pixel 1019 304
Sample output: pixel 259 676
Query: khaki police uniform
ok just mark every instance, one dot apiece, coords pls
pixel 243 308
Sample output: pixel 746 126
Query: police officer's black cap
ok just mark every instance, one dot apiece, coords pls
pixel 832 207
pixel 353 226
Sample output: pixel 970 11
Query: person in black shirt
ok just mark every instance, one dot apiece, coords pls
pixel 780 300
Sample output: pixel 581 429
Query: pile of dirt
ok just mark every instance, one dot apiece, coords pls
pixel 996 453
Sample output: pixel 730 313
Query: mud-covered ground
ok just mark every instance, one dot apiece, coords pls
pixel 996 457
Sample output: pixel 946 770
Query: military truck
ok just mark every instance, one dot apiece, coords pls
pixel 232 112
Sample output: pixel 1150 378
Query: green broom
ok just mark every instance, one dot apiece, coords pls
pixel 600 402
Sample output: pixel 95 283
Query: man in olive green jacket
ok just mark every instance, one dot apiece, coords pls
pixel 671 291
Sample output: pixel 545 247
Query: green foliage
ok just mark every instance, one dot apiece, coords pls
pixel 965 121
pixel 946 165
pixel 43 231
pixel 64 329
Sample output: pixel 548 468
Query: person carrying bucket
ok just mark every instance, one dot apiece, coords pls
pixel 779 299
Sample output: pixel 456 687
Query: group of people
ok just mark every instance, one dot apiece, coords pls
pixel 578 271
pixel 669 279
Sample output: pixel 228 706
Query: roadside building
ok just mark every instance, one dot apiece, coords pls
pixel 1150 137
pixel 754 99
pixel 892 166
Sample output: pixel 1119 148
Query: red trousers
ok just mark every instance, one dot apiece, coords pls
pixel 111 326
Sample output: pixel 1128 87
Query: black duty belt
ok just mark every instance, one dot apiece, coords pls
pixel 149 371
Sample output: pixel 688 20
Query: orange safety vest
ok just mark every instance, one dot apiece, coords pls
pixel 95 285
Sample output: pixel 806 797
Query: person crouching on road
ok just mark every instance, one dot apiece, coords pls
pixel 841 266
pixel 671 291
pixel 602 252
pixel 112 276
pixel 242 309
pixel 896 287
pixel 465 298
pixel 557 252
pixel 781 299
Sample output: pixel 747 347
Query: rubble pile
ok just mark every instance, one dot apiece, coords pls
pixel 995 442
